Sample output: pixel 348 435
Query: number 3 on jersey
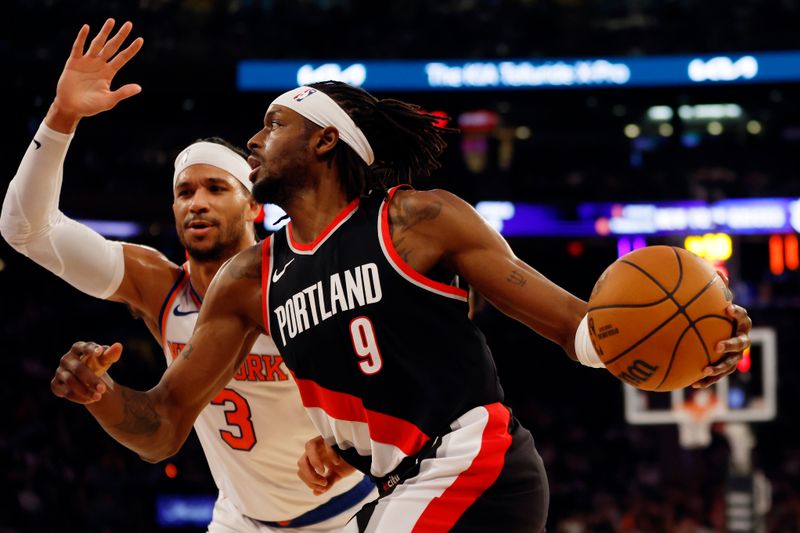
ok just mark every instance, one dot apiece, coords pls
pixel 366 345
pixel 238 417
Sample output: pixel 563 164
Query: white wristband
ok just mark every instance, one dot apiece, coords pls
pixel 584 349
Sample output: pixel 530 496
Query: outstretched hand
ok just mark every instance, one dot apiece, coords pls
pixel 84 88
pixel 78 376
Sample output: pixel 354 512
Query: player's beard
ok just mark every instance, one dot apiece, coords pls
pixel 225 246
pixel 279 183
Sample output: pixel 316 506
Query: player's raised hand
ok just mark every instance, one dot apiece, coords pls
pixel 320 467
pixel 84 88
pixel 78 376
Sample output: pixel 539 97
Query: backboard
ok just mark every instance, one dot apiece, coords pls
pixel 748 395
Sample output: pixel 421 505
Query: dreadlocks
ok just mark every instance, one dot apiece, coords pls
pixel 406 142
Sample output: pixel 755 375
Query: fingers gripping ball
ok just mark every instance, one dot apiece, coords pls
pixel 656 316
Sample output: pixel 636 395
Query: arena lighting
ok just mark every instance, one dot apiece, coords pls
pixel 783 253
pixel 354 74
pixel 119 229
pixel 626 245
pixel 705 112
pixel 665 130
pixel 496 213
pixel 715 247
pixel 632 131
pixel 479 121
pixel 183 510
pixel 791 252
pixel 747 216
pixel 660 113
pixel 745 362
pixel 777 262
pixel 524 73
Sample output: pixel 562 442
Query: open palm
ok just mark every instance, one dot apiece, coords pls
pixel 84 88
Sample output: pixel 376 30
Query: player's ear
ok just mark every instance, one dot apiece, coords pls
pixel 253 210
pixel 325 140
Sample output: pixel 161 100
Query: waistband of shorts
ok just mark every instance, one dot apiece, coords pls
pixel 409 467
pixel 336 505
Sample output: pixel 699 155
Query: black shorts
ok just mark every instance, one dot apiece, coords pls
pixel 483 476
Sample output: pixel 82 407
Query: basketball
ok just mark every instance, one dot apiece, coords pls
pixel 656 316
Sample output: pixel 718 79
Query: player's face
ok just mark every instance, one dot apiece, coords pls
pixel 212 211
pixel 279 156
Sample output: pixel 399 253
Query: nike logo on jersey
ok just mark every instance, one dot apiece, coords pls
pixel 37 143
pixel 278 275
pixel 177 311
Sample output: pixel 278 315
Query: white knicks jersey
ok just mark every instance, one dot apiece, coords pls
pixel 255 430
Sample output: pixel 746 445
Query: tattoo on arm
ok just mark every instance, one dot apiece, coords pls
pixel 401 251
pixel 516 278
pixel 406 216
pixel 187 350
pixel 140 416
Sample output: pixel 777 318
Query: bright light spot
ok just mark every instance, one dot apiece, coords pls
pixel 754 127
pixel 745 362
pixel 522 133
pixel 660 112
pixel 632 131
pixel 171 470
pixel 711 246
pixel 715 128
pixel 665 130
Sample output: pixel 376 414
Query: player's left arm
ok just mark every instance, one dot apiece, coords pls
pixel 432 227
pixel 458 237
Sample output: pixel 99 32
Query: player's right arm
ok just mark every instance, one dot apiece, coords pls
pixel 31 221
pixel 155 423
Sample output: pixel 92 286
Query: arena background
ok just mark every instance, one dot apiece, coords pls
pixel 557 146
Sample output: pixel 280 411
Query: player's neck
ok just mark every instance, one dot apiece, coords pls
pixel 313 209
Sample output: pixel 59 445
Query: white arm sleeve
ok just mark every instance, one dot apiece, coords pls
pixel 33 225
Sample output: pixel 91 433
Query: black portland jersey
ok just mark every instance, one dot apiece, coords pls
pixel 384 357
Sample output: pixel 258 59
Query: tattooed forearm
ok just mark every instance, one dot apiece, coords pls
pixel 140 416
pixel 517 278
pixel 187 351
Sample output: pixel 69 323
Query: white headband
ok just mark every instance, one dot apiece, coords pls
pixel 320 109
pixel 214 154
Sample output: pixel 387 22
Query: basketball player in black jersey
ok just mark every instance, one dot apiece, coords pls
pixel 401 383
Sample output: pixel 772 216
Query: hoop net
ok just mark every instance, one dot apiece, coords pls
pixel 695 416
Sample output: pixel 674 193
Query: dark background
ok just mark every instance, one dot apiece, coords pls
pixel 62 473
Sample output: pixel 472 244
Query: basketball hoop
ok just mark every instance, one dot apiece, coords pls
pixel 695 416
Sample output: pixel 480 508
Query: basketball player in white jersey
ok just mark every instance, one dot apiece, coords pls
pixel 255 429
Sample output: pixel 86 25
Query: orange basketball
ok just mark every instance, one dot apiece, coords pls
pixel 656 316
